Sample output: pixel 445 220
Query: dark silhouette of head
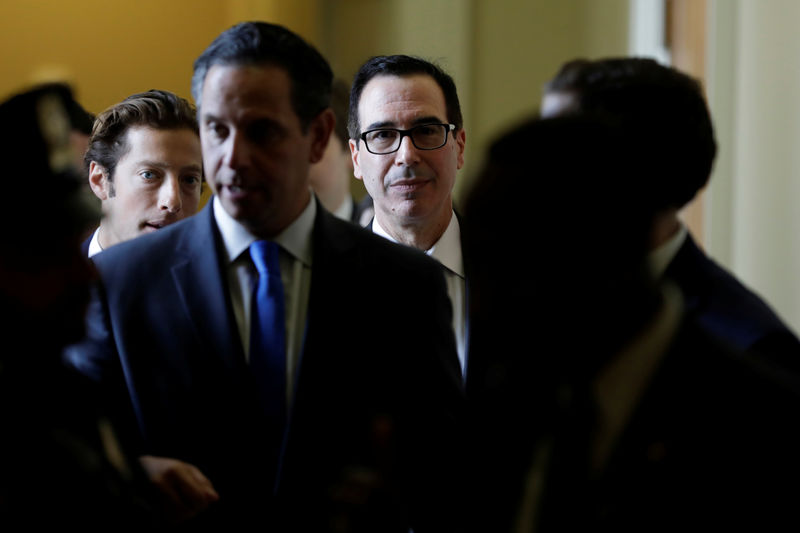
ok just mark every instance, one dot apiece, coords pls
pixel 562 202
pixel 664 109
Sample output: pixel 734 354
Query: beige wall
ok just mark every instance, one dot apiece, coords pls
pixel 518 45
pixel 109 49
pixel 754 77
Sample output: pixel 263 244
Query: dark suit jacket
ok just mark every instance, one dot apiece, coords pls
pixel 466 258
pixel 382 413
pixel 61 464
pixel 709 444
pixel 85 244
pixel 729 310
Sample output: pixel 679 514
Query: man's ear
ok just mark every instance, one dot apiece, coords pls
pixel 98 180
pixel 320 131
pixel 461 141
pixel 354 159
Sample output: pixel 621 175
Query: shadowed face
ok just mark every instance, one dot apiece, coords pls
pixel 256 153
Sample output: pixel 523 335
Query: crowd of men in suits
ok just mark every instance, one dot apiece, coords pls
pixel 558 355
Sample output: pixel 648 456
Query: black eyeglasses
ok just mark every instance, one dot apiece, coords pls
pixel 424 137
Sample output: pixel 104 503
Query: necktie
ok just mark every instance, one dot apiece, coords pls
pixel 268 335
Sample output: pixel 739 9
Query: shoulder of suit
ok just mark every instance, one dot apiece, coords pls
pixel 376 250
pixel 151 250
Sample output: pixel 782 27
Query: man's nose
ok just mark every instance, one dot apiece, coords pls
pixel 169 195
pixel 237 152
pixel 407 154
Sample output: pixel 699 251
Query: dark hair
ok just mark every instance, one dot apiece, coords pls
pixel 261 43
pixel 156 109
pixel 402 65
pixel 34 142
pixel 665 110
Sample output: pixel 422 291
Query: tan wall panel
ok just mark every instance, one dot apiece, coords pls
pixel 108 50
pixel 686 32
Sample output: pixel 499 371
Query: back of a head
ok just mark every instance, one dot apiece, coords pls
pixel 264 44
pixel 39 163
pixel 664 110
pixel 402 65
pixel 156 109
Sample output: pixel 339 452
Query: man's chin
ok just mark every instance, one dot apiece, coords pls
pixel 411 209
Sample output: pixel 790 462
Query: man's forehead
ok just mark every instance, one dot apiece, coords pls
pixel 149 134
pixel 246 93
pixel 245 81
pixel 388 93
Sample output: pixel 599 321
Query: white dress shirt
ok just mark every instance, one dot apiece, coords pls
pixel 447 250
pixel 295 260
pixel 94 244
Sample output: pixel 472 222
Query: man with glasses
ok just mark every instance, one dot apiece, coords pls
pixel 407 142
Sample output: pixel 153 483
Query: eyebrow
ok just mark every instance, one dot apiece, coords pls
pixel 162 165
pixel 416 122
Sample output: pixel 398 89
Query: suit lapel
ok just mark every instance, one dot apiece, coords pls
pixel 330 244
pixel 202 284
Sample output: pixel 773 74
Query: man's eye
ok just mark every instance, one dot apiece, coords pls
pixel 382 136
pixel 146 174
pixel 218 130
pixel 191 180
pixel 264 131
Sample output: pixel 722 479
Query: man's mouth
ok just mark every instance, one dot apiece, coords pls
pixel 237 190
pixel 409 185
pixel 152 226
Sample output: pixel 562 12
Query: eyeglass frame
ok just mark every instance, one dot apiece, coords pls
pixel 407 133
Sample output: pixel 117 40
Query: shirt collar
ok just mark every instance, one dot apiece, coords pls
pixel 295 239
pixel 94 244
pixel 446 250
pixel 660 258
